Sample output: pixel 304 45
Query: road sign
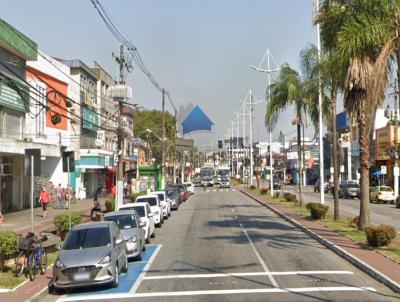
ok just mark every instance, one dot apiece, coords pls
pixel 332 170
pixel 396 171
pixel 341 168
pixel 383 169
pixel 28 162
pixel 68 161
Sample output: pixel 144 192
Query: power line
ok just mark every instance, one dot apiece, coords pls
pixel 115 30
pixel 39 93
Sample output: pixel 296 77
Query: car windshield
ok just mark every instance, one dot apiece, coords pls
pixel 138 209
pixel 385 189
pixel 224 179
pixel 160 196
pixel 151 200
pixel 353 185
pixel 126 221
pixel 171 194
pixel 87 238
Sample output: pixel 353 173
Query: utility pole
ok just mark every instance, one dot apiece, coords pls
pixel 119 93
pixel 163 141
pixel 396 159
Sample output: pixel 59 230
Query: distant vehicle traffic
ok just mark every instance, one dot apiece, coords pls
pixel 224 182
pixel 189 186
pixel 381 194
pixel 349 190
pixel 165 205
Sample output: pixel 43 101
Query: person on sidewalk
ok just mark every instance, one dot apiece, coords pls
pixel 59 191
pixel 68 196
pixel 52 194
pixel 44 199
pixel 1 217
pixel 97 206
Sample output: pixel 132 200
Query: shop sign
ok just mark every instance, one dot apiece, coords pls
pixel 106 161
pixel 383 169
pixel 11 98
pixel 90 119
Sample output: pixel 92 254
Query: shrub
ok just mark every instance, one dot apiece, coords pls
pixel 263 191
pixel 286 196
pixel 353 221
pixel 61 222
pixel 8 246
pixel 380 235
pixel 317 210
pixel 110 205
pixel 239 181
pixel 133 196
pixel 290 197
pixel 252 187
pixel 277 195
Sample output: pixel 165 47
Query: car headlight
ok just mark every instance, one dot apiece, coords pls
pixel 133 239
pixel 105 259
pixel 59 264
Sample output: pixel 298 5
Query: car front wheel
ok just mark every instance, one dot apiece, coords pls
pixel 115 283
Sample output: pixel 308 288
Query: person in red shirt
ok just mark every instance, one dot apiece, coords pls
pixel 44 199
pixel 113 191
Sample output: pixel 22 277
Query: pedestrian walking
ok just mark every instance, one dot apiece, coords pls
pixel 97 206
pixel 59 192
pixel 68 196
pixel 51 191
pixel 44 199
pixel 113 191
pixel 1 217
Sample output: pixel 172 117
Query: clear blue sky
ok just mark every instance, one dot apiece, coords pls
pixel 201 51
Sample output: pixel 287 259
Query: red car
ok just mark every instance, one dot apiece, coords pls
pixel 183 192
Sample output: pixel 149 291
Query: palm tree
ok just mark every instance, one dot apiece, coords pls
pixel 331 76
pixel 291 89
pixel 364 35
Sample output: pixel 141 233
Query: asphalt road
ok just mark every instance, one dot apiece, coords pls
pixel 380 213
pixel 223 246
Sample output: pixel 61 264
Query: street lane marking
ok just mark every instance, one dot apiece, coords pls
pixel 233 190
pixel 224 275
pixel 264 266
pixel 145 269
pixel 214 190
pixel 229 291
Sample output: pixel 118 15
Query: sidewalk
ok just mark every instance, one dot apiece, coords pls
pixel 376 265
pixel 20 223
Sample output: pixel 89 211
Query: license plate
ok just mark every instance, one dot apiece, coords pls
pixel 82 276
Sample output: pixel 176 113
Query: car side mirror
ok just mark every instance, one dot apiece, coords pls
pixel 150 215
pixel 118 241
pixel 142 224
pixel 58 247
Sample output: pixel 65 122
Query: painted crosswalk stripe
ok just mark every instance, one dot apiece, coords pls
pixel 222 275
pixel 226 292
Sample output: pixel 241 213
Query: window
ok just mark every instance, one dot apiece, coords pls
pixel 39 111
pixel 12 123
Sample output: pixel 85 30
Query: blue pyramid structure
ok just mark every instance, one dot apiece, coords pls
pixel 196 120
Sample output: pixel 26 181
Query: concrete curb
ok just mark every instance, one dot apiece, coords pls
pixel 42 293
pixel 338 250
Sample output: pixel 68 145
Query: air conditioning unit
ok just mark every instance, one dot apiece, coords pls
pixel 6 169
pixel 28 139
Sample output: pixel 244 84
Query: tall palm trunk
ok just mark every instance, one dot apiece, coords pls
pixel 364 141
pixel 334 157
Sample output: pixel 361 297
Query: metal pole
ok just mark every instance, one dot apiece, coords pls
pixel 232 149
pixel 251 139
pixel 396 160
pixel 32 176
pixel 69 203
pixel 321 147
pixel 271 182
pixel 244 135
pixel 237 145
pixel 163 141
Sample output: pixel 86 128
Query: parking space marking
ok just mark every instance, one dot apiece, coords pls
pixel 127 282
pixel 146 268
pixel 222 275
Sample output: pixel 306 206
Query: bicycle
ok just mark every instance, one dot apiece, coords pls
pixel 32 257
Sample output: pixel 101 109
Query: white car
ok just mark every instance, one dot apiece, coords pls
pixel 155 207
pixel 146 216
pixel 189 186
pixel 165 205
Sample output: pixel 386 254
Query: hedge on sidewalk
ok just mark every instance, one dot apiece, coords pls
pixel 110 205
pixel 61 222
pixel 8 246
pixel 380 235
pixel 133 196
pixel 317 210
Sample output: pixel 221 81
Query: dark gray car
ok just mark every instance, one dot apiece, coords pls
pixel 92 254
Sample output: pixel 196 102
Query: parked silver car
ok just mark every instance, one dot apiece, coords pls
pixel 92 254
pixel 132 231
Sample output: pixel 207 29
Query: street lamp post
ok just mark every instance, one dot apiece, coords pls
pixel 163 152
pixel 268 71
